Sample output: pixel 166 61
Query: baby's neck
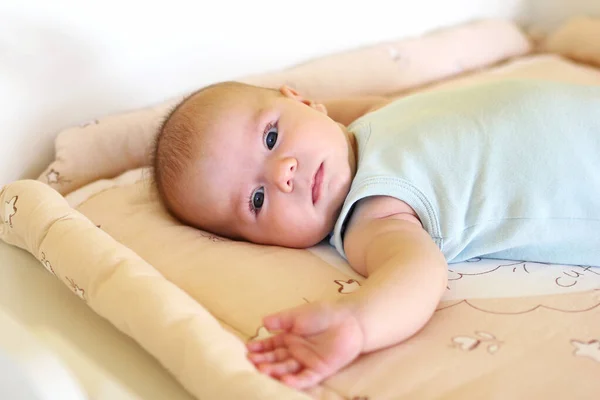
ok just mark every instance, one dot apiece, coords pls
pixel 352 149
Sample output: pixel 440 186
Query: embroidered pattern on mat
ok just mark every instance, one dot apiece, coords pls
pixel 53 177
pixel 469 343
pixel 76 289
pixel 525 311
pixel 348 286
pixel 590 349
pixel 47 264
pixel 10 209
pixel 566 276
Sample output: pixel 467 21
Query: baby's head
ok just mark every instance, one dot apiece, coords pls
pixel 252 163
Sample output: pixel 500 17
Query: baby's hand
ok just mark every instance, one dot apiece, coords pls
pixel 316 341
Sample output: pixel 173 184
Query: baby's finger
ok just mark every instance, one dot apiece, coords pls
pixel 255 346
pixel 268 344
pixel 282 321
pixel 277 355
pixel 303 380
pixel 276 370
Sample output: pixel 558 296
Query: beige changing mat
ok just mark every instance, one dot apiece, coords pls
pixel 503 330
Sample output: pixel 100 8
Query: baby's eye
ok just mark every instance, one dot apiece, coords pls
pixel 270 136
pixel 257 198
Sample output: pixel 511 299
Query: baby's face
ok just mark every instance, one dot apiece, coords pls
pixel 270 170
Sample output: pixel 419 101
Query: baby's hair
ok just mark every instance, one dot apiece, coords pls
pixel 173 150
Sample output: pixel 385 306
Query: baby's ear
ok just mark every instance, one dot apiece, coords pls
pixel 293 94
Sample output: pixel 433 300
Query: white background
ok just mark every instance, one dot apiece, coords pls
pixel 63 62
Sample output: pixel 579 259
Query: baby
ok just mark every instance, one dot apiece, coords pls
pixel 401 188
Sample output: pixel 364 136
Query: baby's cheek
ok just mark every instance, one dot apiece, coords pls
pixel 300 230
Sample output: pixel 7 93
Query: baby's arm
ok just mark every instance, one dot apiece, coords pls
pixel 407 275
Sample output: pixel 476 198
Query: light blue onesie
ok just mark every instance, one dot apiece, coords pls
pixel 506 170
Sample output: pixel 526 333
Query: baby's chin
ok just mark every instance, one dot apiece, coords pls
pixel 302 243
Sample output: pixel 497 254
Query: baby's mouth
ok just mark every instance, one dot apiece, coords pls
pixel 317 183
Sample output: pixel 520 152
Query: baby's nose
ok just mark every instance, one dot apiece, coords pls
pixel 285 171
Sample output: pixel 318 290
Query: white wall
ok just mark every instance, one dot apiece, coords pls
pixel 63 62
